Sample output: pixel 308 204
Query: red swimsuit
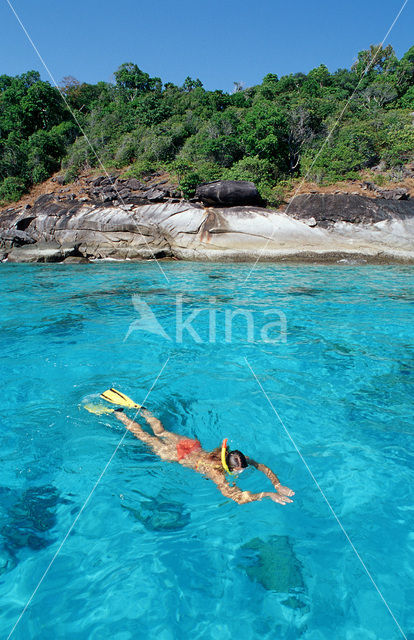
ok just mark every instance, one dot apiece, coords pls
pixel 186 446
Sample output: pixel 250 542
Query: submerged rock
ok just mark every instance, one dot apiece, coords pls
pixel 274 565
pixel 76 260
pixel 30 517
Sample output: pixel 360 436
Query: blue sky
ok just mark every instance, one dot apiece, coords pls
pixel 218 41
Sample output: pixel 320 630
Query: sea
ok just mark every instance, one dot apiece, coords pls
pixel 307 368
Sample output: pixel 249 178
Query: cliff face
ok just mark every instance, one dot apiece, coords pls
pixel 315 227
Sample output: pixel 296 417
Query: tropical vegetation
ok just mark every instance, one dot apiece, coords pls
pixel 282 129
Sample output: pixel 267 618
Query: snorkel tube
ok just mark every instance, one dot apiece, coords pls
pixel 223 456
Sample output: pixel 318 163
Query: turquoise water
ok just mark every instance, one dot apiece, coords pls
pixel 157 551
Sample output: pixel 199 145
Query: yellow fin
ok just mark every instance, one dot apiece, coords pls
pixel 119 398
pixel 98 409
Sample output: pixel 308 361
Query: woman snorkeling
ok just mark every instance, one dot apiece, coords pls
pixel 216 464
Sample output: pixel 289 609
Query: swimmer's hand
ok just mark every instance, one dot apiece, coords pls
pixel 281 499
pixel 284 491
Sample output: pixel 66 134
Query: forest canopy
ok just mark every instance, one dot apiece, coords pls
pixel 269 133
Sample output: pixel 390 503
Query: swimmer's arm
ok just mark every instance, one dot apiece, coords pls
pixel 242 497
pixel 272 477
pixel 268 472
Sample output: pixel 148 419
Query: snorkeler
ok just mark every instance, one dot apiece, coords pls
pixel 216 464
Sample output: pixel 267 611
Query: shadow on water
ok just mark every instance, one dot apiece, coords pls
pixel 159 515
pixel 30 517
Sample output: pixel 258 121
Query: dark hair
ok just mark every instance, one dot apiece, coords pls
pixel 236 459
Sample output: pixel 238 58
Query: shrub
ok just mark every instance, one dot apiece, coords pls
pixel 379 180
pixel 80 157
pixel 407 100
pixel 11 189
pixel 401 146
pixel 274 196
pixel 127 150
pixel 209 171
pixel 252 168
pixel 189 183
pixel 141 168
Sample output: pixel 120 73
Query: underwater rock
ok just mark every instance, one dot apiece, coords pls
pixel 30 519
pixel 274 565
pixel 304 291
pixel 67 325
pixel 76 260
pixel 294 603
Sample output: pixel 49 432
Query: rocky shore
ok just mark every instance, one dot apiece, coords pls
pixel 131 219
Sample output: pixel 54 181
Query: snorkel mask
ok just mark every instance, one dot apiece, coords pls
pixel 223 457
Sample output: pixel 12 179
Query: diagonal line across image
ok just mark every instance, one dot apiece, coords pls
pixel 81 128
pixel 325 498
pixel 58 550
pixel 330 132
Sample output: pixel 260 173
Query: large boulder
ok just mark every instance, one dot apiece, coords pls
pixel 228 193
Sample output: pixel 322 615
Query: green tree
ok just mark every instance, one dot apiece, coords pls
pixel 131 81
pixel 350 149
pixel 264 133
pixel 375 61
pixel 42 107
pixel 217 141
pixel 190 84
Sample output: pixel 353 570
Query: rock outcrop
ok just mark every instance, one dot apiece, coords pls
pixel 329 208
pixel 41 252
pixel 228 193
pixel 400 193
pixel 119 190
pixel 314 227
pixel 131 191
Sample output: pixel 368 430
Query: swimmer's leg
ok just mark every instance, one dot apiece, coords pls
pixel 158 428
pixel 167 449
pixel 137 430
